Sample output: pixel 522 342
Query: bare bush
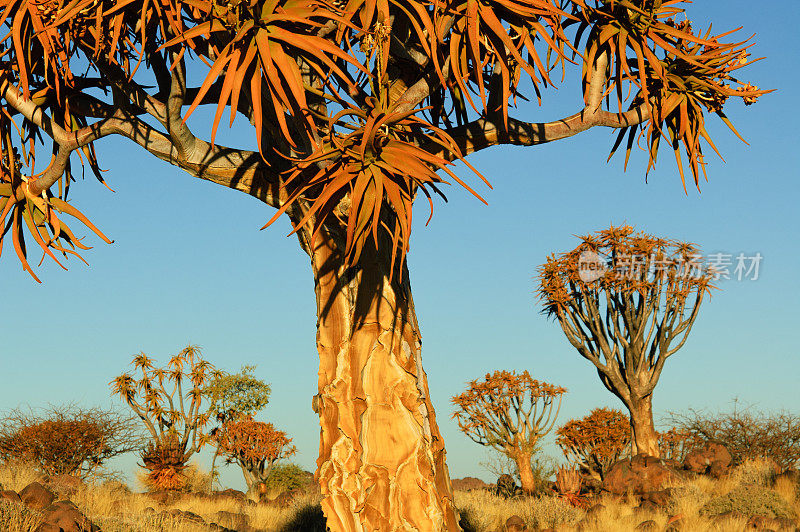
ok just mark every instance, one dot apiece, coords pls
pixel 747 433
pixel 66 439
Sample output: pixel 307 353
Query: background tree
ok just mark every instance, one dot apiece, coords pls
pixel 358 107
pixel 255 446
pixel 629 314
pixel 509 413
pixel 169 401
pixel 66 440
pixel 233 396
pixel 595 441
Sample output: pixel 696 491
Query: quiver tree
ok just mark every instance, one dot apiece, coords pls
pixel 595 441
pixel 233 396
pixel 169 401
pixel 358 107
pixel 627 302
pixel 253 445
pixel 509 413
pixel 66 440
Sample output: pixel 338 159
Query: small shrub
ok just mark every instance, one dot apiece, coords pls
pixel 755 472
pixel 551 512
pixel 286 477
pixel 66 440
pixel 749 500
pixel 747 433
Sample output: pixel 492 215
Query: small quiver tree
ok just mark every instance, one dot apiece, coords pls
pixel 509 413
pixel 255 446
pixel 627 302
pixel 232 396
pixel 596 441
pixel 169 403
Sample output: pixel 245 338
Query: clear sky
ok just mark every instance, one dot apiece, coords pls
pixel 189 265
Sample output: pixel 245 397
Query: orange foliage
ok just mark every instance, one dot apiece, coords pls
pixel 314 66
pixel 254 445
pixel 507 411
pixel 597 440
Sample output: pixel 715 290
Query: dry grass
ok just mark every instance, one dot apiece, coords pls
pixel 115 509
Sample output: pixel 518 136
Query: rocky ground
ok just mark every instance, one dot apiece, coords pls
pixel 642 493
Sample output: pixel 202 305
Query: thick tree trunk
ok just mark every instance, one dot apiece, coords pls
pixel 381 462
pixel 526 478
pixel 645 439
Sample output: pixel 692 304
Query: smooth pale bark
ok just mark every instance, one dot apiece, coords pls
pixel 526 478
pixel 645 438
pixel 381 462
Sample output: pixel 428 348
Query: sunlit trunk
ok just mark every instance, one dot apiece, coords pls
pixel 381 462
pixel 526 478
pixel 645 439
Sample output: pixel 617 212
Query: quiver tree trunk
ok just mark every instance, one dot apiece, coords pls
pixel 381 462
pixel 523 461
pixel 644 439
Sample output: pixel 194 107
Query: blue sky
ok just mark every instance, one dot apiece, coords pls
pixel 189 265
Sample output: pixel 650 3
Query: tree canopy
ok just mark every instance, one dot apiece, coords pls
pixel 356 104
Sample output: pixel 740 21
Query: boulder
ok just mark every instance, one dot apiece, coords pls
pixel 647 507
pixel 647 525
pixel 165 497
pixel 594 510
pixel 638 475
pixel 506 486
pixel 9 495
pixel 515 524
pixel 659 498
pixel 229 494
pixel 185 516
pixel 468 484
pixel 760 522
pixel 36 496
pixel 712 459
pixel 283 500
pixel 64 516
pixel 235 521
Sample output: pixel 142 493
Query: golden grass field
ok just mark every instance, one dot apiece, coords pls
pixel 115 508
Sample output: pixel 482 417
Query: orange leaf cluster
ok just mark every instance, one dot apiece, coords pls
pixel 254 444
pixel 597 440
pixel 635 264
pixel 507 411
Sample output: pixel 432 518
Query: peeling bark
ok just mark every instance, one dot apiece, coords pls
pixel 645 438
pixel 381 462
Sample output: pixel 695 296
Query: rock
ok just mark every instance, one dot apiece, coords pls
pixel 185 516
pixel 638 475
pixel 468 484
pixel 232 520
pixel 64 516
pixel 165 497
pixel 515 524
pixel 229 494
pixel 760 522
pixel 660 498
pixel 647 525
pixel 283 500
pixel 713 459
pixel 647 506
pixel 675 523
pixel 506 486
pixel 36 496
pixel 9 495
